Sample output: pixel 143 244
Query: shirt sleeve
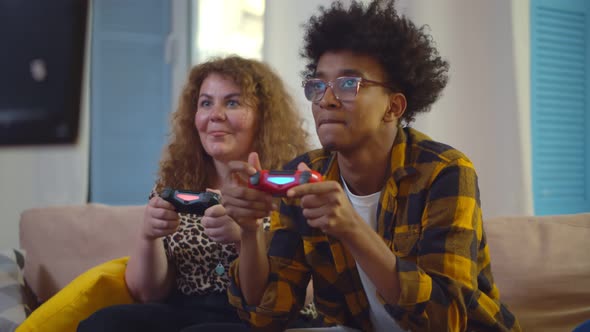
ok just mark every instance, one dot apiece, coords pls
pixel 440 286
pixel 288 278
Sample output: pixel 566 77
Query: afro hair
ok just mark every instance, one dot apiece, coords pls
pixel 407 53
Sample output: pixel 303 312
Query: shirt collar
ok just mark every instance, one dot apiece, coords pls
pixel 399 168
pixel 400 158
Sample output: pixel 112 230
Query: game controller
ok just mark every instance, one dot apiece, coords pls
pixel 278 183
pixel 190 202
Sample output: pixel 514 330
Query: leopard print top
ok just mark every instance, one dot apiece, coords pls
pixel 196 257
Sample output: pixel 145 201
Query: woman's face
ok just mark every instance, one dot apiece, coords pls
pixel 226 125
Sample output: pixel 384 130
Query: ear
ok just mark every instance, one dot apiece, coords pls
pixel 397 107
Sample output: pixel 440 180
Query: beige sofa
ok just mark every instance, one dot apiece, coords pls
pixel 541 264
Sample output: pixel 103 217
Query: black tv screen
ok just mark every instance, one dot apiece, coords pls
pixel 42 47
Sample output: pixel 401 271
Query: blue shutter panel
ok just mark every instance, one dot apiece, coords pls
pixel 130 98
pixel 560 122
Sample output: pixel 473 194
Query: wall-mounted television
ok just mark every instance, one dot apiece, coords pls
pixel 42 47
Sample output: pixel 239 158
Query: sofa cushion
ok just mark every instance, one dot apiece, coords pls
pixel 12 307
pixel 542 270
pixel 63 241
pixel 97 288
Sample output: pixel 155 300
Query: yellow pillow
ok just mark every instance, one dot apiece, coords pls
pixel 97 288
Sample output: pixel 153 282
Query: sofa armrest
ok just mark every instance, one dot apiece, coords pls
pixel 63 241
pixel 542 270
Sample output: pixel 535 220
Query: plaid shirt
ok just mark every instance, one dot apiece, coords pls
pixel 428 215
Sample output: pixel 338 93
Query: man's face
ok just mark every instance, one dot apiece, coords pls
pixel 348 124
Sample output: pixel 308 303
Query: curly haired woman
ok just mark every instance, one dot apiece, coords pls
pixel 178 272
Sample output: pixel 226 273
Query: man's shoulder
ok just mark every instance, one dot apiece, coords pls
pixel 425 149
pixel 314 159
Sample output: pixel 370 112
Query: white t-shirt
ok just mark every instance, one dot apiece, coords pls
pixel 366 207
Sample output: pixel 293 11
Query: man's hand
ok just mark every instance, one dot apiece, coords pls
pixel 245 205
pixel 326 206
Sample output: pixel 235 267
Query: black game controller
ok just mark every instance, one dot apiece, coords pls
pixel 190 202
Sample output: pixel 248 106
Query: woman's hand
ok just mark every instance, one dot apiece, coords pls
pixel 220 227
pixel 245 205
pixel 160 219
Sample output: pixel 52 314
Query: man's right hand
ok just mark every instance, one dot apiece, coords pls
pixel 160 219
pixel 245 205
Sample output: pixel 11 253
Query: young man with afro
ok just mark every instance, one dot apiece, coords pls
pixel 393 237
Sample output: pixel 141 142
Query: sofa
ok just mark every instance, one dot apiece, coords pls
pixel 541 264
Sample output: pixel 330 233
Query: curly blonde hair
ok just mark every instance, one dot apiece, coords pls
pixel 279 138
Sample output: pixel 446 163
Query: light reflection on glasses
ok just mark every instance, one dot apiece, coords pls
pixel 345 88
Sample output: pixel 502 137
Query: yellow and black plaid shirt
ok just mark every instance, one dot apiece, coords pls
pixel 428 215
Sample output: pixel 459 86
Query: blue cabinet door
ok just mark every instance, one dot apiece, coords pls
pixel 560 125
pixel 130 98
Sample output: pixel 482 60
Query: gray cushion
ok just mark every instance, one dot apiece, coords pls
pixel 12 308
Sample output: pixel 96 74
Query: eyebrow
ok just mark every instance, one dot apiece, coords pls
pixel 229 96
pixel 343 72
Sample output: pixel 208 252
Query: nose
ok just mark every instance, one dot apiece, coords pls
pixel 218 113
pixel 329 100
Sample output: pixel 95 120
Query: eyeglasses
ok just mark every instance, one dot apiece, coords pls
pixel 345 88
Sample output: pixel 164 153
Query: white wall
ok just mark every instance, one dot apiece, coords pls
pixel 37 176
pixel 484 110
pixel 283 38
pixel 58 175
pixel 522 61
